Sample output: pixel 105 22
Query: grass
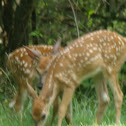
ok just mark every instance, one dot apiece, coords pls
pixel 84 109
pixel 83 114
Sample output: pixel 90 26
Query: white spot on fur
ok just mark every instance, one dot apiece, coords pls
pixel 121 40
pixel 71 47
pixel 25 65
pixel 109 69
pixel 86 58
pixel 92 38
pixel 45 47
pixel 11 104
pixel 75 54
pixel 69 56
pixel 27 71
pixel 105 97
pixel 21 55
pixel 61 64
pixel 101 40
pixel 112 37
pixel 94 48
pixel 24 49
pixel 23 62
pixel 10 55
pixel 104 44
pixel 16 58
pixel 90 51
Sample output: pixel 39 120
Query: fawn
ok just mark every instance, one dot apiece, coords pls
pixel 99 54
pixel 24 69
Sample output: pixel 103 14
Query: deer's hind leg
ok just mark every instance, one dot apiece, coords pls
pixel 18 100
pixel 117 93
pixel 102 94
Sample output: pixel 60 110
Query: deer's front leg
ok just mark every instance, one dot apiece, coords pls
pixel 102 94
pixel 68 116
pixel 66 99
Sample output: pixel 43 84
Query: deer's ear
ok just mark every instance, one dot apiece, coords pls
pixel 57 46
pixel 31 91
pixel 35 55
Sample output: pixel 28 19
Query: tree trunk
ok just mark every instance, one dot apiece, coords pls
pixel 7 17
pixel 20 36
pixel 35 41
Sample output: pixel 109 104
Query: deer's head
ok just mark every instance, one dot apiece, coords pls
pixel 41 104
pixel 40 109
pixel 42 61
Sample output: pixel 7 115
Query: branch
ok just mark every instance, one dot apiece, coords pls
pixel 75 19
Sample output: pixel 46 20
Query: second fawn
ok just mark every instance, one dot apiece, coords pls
pixel 24 69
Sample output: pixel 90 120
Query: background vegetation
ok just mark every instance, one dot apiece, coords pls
pixel 27 22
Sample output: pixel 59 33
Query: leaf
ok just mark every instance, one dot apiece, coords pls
pixel 90 13
pixel 37 34
pixel 50 42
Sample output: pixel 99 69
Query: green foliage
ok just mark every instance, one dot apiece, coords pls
pixel 36 34
pixel 90 13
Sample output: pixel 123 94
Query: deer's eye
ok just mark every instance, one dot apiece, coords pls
pixel 43 116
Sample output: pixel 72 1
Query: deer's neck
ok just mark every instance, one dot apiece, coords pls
pixel 49 91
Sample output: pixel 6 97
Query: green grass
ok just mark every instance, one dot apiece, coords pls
pixel 83 114
pixel 84 108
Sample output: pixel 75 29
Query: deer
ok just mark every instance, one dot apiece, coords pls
pixel 24 64
pixel 24 68
pixel 100 55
